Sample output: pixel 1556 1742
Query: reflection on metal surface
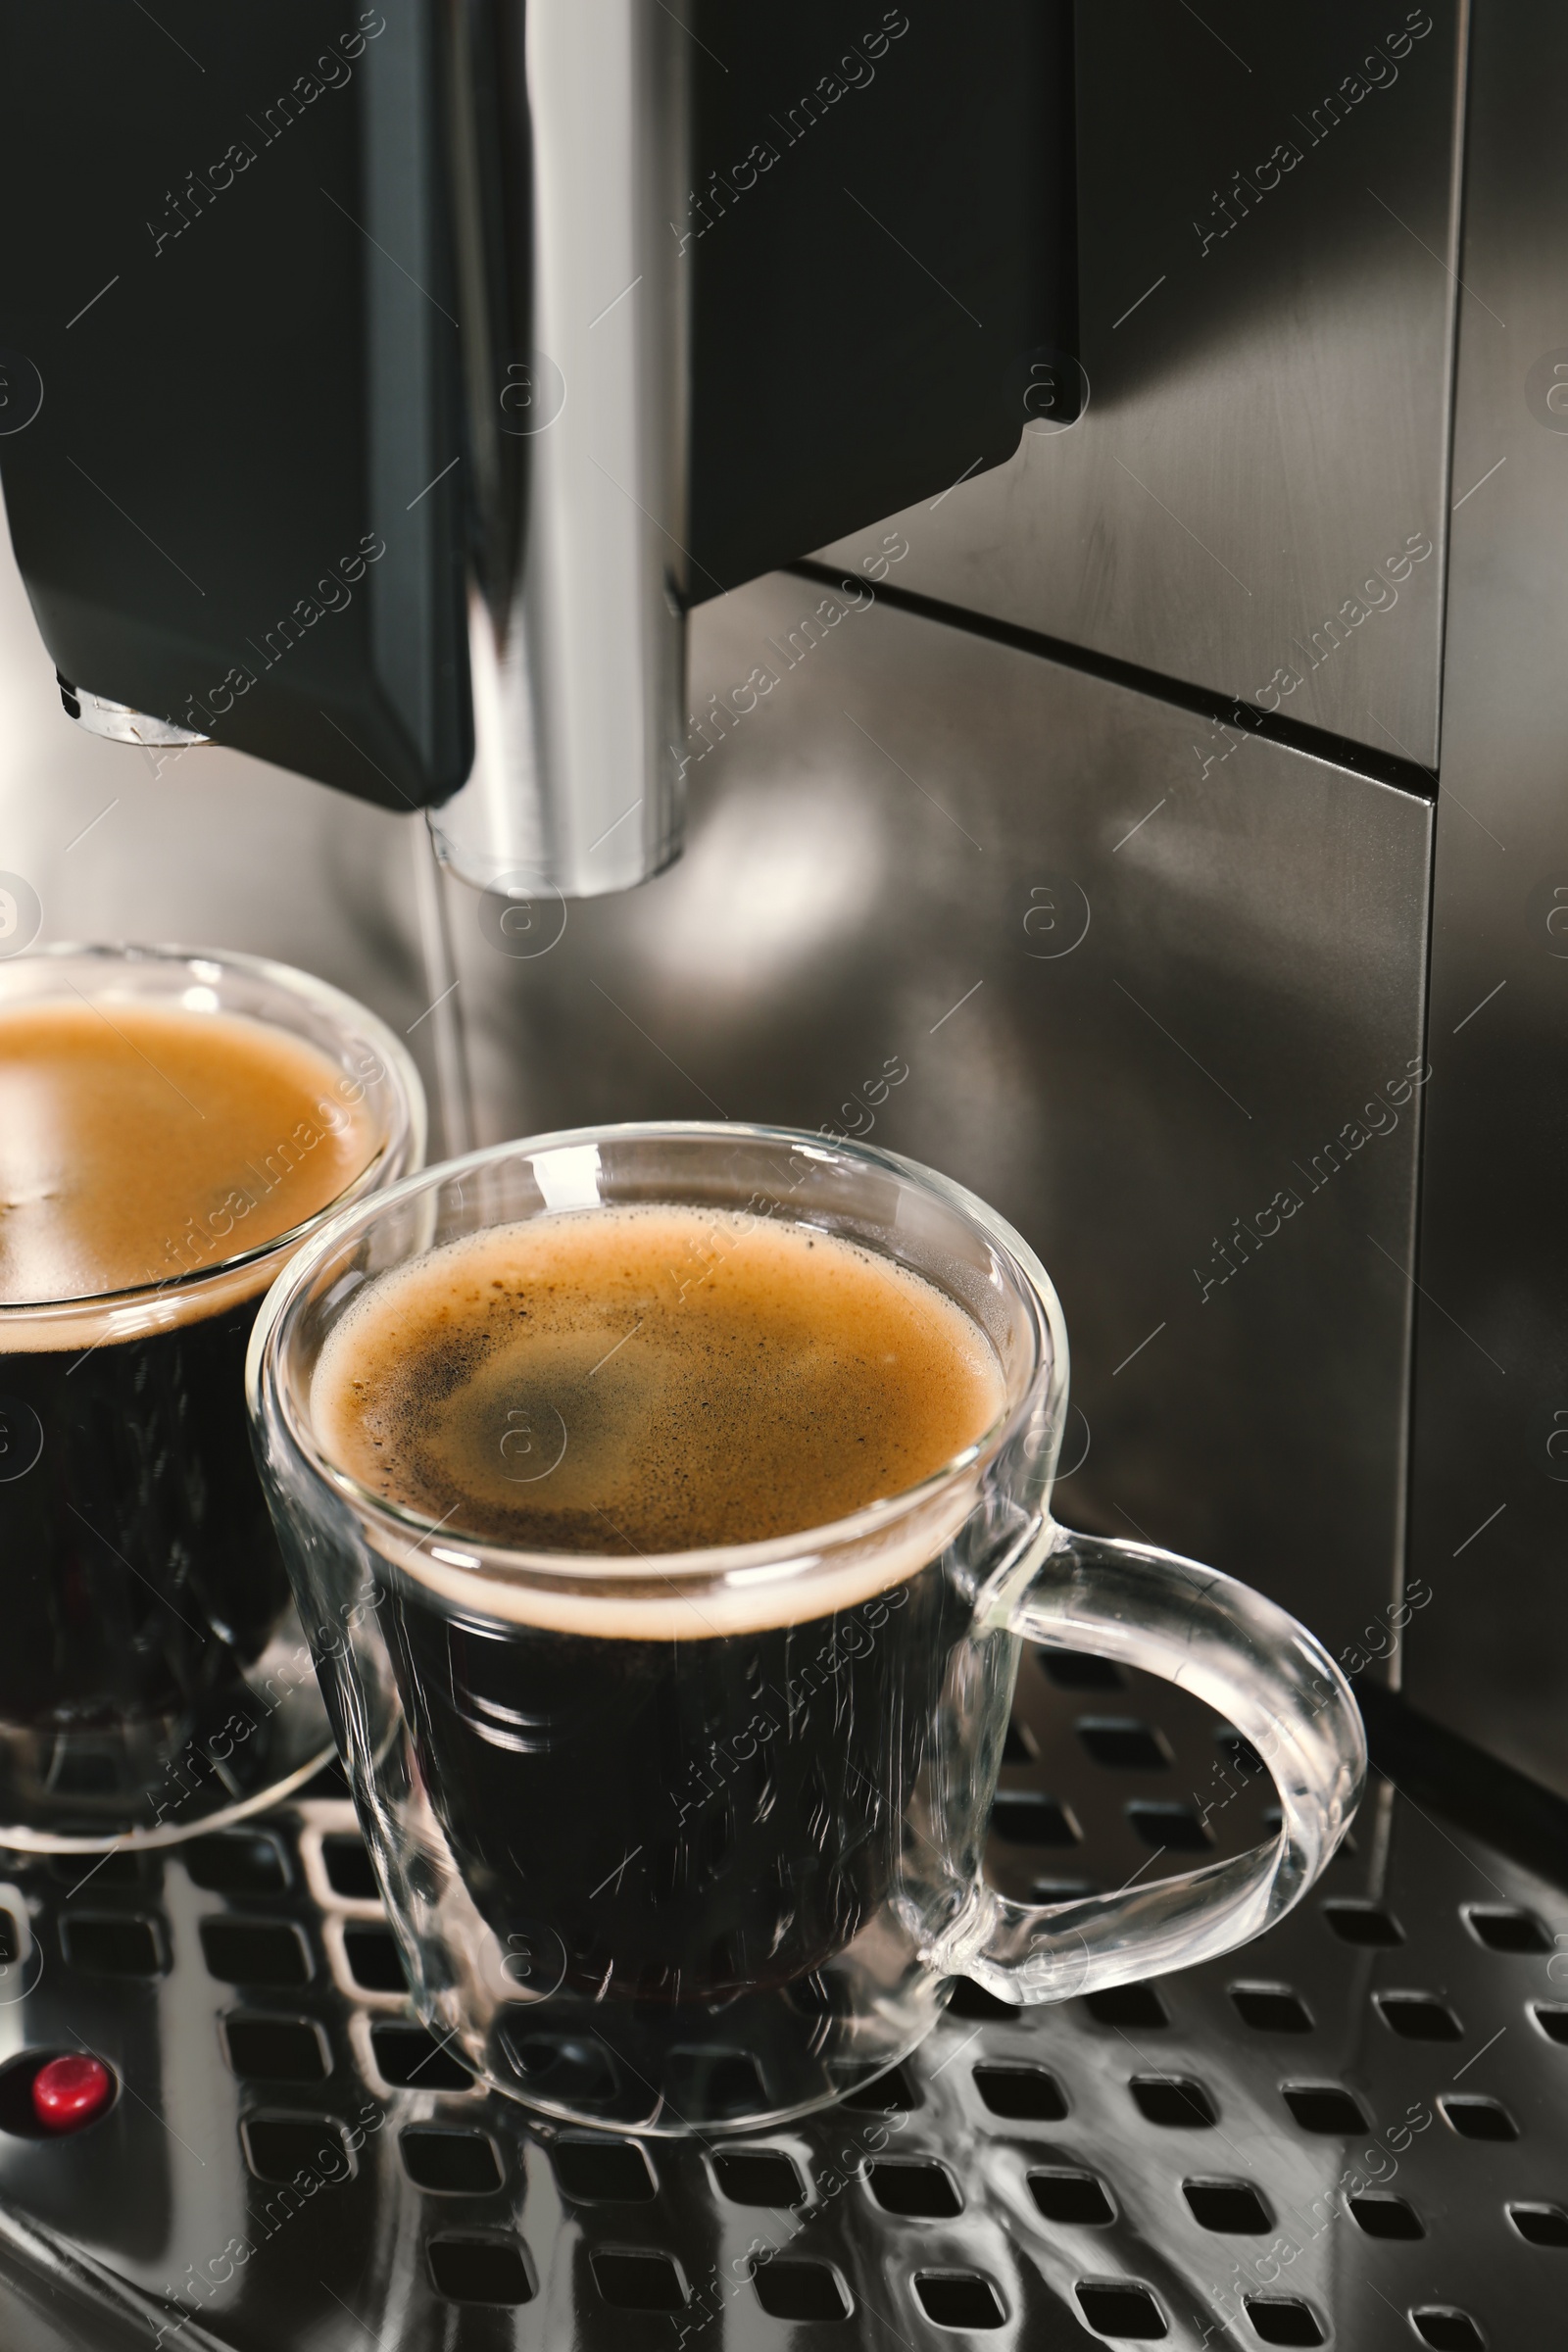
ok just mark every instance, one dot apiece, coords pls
pixel 1489 1509
pixel 1357 2120
pixel 117 722
pixel 568 129
pixel 1268 213
pixel 449 1045
pixel 770 885
pixel 1197 1114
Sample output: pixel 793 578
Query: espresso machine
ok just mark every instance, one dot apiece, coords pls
pixel 989 582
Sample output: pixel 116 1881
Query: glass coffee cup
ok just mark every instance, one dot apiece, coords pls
pixel 154 1680
pixel 683 1841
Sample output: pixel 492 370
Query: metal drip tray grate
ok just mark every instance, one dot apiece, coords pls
pixel 1353 2131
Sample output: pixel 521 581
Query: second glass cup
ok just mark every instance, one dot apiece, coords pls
pixel 683 1841
pixel 153 1680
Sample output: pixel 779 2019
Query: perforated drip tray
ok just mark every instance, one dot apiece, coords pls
pixel 1354 2132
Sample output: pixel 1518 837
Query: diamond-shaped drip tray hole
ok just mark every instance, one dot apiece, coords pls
pixel 603 2172
pixel 1175 2103
pixel 1115 2309
pixel 1232 2208
pixel 236 1862
pixel 1324 2107
pixel 960 2299
pixel 1447 2331
pixel 803 2291
pixel 1480 2119
pixel 278 2147
pixel 757 2177
pixel 346 1861
pixel 112 1870
pixel 1364 1923
pixel 1271 2009
pixel 1028 1817
pixel 638 2282
pixel 276 2049
pixel 1169 1829
pixel 450 2164
pixel 1540 2225
pixel 1121 1744
pixel 113 1943
pixel 260 1952
pixel 1074 2198
pixel 894 2092
pixel 374 1960
pixel 914 2186
pixel 1418 2017
pixel 480 2269
pixel 969 1999
pixel 410 2058
pixel 1383 2215
pixel 1021 2093
pixel 1502 1929
pixel 1129 2008
pixel 1282 2320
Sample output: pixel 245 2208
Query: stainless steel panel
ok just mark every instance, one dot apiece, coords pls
pixel 1490 1514
pixel 1267 200
pixel 898 835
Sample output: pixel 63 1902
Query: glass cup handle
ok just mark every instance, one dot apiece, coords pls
pixel 1263 1672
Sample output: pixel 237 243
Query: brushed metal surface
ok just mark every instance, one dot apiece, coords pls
pixel 1490 1511
pixel 891 844
pixel 1268 363
pixel 1417 1982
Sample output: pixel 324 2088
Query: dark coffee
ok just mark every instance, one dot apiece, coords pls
pixel 669 1799
pixel 140 1563
pixel 142 1146
pixel 676 1821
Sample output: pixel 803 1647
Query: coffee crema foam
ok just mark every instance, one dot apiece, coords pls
pixel 142 1141
pixel 644 1380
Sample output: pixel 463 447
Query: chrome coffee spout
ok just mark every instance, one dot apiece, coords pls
pixel 568 129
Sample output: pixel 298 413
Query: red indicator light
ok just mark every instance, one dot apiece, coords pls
pixel 70 2092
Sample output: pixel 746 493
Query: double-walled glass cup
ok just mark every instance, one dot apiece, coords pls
pixel 154 1680
pixel 694 1841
